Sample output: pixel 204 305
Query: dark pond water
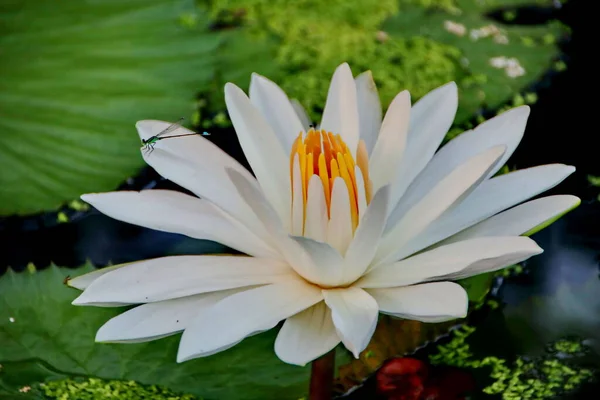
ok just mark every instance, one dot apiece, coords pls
pixel 558 296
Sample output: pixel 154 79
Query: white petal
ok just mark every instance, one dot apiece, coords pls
pixel 366 239
pixel 289 249
pixel 384 161
pixel 339 229
pixel 258 203
pixel 430 119
pixel 262 148
pixel 326 265
pixel 306 336
pixel 156 320
pixel 297 199
pixel 369 109
pixel 316 211
pixel 479 254
pixel 81 282
pixel 301 113
pixel 242 314
pixel 179 276
pixel 492 196
pixel 170 211
pixel 445 194
pixel 354 313
pixel 429 302
pixel 506 129
pixel 207 181
pixel 361 194
pixel 522 219
pixel 276 108
pixel 341 110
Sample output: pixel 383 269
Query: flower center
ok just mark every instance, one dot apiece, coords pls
pixel 326 155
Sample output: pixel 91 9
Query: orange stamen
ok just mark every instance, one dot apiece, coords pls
pixel 326 155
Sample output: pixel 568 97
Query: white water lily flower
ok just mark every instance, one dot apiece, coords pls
pixel 359 218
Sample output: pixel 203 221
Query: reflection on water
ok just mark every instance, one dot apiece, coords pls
pixel 560 295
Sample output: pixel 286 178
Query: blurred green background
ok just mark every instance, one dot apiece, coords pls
pixel 76 75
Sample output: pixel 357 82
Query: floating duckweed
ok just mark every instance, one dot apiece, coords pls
pixel 560 66
pixel 94 389
pixel 221 120
pixel 593 180
pixel 549 38
pixel 78 205
pixel 62 218
pixel 513 270
pixel 31 268
pixel 509 15
pixel 493 304
pixel 531 98
pixel 566 346
pixel 537 379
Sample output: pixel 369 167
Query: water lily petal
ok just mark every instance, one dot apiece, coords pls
pixel 478 254
pixel 289 249
pixel 429 302
pixel 354 313
pixel 258 203
pixel 326 265
pixel 366 239
pixel 301 113
pixel 262 148
pixel 521 219
pixel 445 194
pixel 242 314
pixel 492 196
pixel 156 320
pixel 207 181
pixel 505 129
pixel 316 211
pixel 81 282
pixel 369 109
pixel 339 229
pixel 430 119
pixel 387 154
pixel 275 106
pixel 361 194
pixel 340 115
pixel 170 211
pixel 216 188
pixel 179 276
pixel 306 336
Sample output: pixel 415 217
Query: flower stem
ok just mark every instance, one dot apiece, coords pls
pixel 321 377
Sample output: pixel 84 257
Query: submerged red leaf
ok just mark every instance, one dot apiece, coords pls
pixel 412 379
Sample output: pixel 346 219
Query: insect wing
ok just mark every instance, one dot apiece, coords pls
pixel 170 128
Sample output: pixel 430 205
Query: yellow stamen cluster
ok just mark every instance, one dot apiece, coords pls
pixel 326 155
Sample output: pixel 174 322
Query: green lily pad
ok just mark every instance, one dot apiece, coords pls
pixel 75 78
pixel 37 322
